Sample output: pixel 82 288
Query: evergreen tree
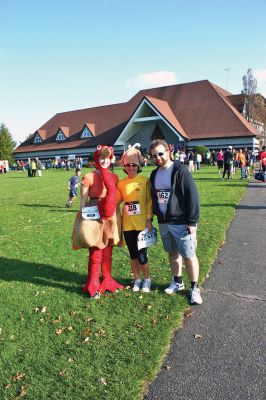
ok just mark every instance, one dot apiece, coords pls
pixel 7 144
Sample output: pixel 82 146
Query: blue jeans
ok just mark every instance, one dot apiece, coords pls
pixel 243 172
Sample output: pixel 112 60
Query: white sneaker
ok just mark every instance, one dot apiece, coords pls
pixel 146 287
pixel 174 287
pixel 137 285
pixel 195 297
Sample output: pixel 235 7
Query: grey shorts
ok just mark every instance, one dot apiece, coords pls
pixel 176 238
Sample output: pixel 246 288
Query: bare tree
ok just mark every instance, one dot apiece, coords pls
pixel 255 104
pixel 249 90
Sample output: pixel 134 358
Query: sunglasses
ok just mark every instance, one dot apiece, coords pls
pixel 131 165
pixel 155 155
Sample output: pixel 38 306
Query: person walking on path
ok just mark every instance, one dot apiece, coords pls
pixel 175 200
pixel 228 162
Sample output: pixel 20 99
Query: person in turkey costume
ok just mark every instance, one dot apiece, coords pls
pixel 98 191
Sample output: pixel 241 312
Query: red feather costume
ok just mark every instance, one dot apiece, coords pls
pixel 99 189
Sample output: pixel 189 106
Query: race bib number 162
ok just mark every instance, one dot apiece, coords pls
pixel 163 196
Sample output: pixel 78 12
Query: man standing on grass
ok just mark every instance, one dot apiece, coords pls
pixel 175 200
pixel 228 162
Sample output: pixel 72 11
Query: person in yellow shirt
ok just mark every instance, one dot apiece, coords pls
pixel 135 193
pixel 33 168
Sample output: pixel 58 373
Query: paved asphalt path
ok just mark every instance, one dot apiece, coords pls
pixel 228 361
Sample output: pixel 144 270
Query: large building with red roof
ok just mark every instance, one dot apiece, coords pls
pixel 189 114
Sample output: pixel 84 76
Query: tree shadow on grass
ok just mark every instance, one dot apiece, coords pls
pixel 232 184
pixel 57 208
pixel 45 275
pixel 207 179
pixel 233 205
pixel 41 206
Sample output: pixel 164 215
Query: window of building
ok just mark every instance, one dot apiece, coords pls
pixel 37 138
pixel 60 136
pixel 86 133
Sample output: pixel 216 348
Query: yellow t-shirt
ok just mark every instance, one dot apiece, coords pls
pixel 137 207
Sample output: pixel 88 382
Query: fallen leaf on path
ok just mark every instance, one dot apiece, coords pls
pixel 188 312
pixel 196 336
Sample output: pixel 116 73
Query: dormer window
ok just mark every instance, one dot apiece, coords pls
pixel 37 138
pixel 86 133
pixel 60 135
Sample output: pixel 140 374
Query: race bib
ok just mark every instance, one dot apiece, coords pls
pixel 163 196
pixel 90 212
pixel 146 238
pixel 132 208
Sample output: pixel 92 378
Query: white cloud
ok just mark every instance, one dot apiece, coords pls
pixel 152 79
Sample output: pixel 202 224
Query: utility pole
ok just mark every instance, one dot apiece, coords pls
pixel 227 69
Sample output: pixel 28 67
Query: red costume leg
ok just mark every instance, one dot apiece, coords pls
pixel 94 266
pixel 108 282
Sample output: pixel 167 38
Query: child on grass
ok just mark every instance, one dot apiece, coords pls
pixel 73 184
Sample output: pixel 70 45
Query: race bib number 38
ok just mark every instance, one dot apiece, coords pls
pixel 163 196
pixel 132 208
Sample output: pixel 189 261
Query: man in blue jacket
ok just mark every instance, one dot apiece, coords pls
pixel 175 200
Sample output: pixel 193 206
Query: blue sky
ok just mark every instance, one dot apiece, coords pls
pixel 62 55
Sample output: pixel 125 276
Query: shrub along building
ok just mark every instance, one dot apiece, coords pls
pixel 189 114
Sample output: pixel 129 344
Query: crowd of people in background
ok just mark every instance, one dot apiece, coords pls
pixel 227 161
pixel 244 159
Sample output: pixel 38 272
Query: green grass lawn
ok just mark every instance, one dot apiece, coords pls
pixel 55 342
